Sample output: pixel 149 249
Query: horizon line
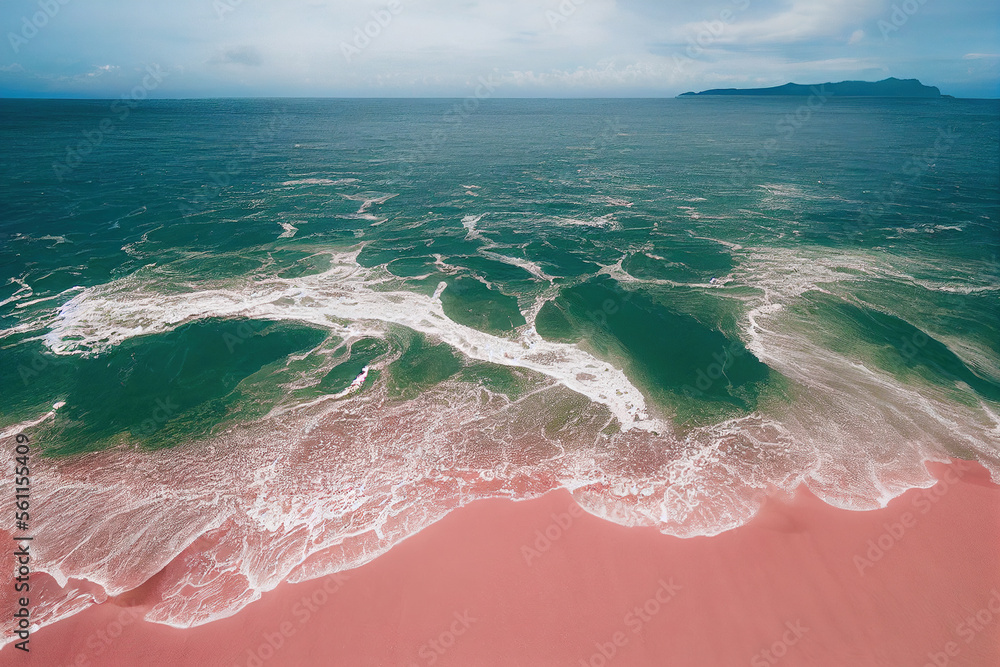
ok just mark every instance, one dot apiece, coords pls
pixel 493 97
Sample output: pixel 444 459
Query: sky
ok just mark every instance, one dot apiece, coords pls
pixel 512 48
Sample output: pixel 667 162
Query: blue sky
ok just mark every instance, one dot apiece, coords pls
pixel 520 48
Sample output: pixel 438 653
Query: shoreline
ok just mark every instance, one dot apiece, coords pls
pixel 539 582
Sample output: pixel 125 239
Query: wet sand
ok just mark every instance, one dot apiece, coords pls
pixel 540 583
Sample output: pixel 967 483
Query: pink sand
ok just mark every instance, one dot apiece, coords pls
pixel 805 582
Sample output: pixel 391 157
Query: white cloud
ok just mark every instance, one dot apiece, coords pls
pixel 801 21
pixel 247 56
pixel 102 70
pixel 441 47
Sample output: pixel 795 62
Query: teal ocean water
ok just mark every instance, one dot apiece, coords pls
pixel 288 333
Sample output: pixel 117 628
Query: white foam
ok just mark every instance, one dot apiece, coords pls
pixel 368 200
pixel 332 484
pixel 320 181
pixel 23 290
pixel 355 385
pixel 691 212
pixel 106 315
pixel 470 222
pixel 526 264
pixel 11 431
pixel 607 221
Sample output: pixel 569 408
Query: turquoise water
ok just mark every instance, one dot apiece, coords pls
pixel 533 213
pixel 293 332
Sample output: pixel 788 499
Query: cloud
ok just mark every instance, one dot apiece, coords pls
pixel 603 75
pixel 799 21
pixel 247 56
pixel 102 70
pixel 440 48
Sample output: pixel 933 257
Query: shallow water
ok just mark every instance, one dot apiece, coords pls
pixel 286 334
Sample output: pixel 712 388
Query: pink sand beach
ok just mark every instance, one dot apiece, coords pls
pixel 540 583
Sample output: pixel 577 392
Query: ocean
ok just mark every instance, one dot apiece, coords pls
pixel 285 334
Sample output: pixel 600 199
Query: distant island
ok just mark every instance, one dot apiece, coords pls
pixel 891 87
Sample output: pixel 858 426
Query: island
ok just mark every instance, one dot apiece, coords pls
pixel 891 87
